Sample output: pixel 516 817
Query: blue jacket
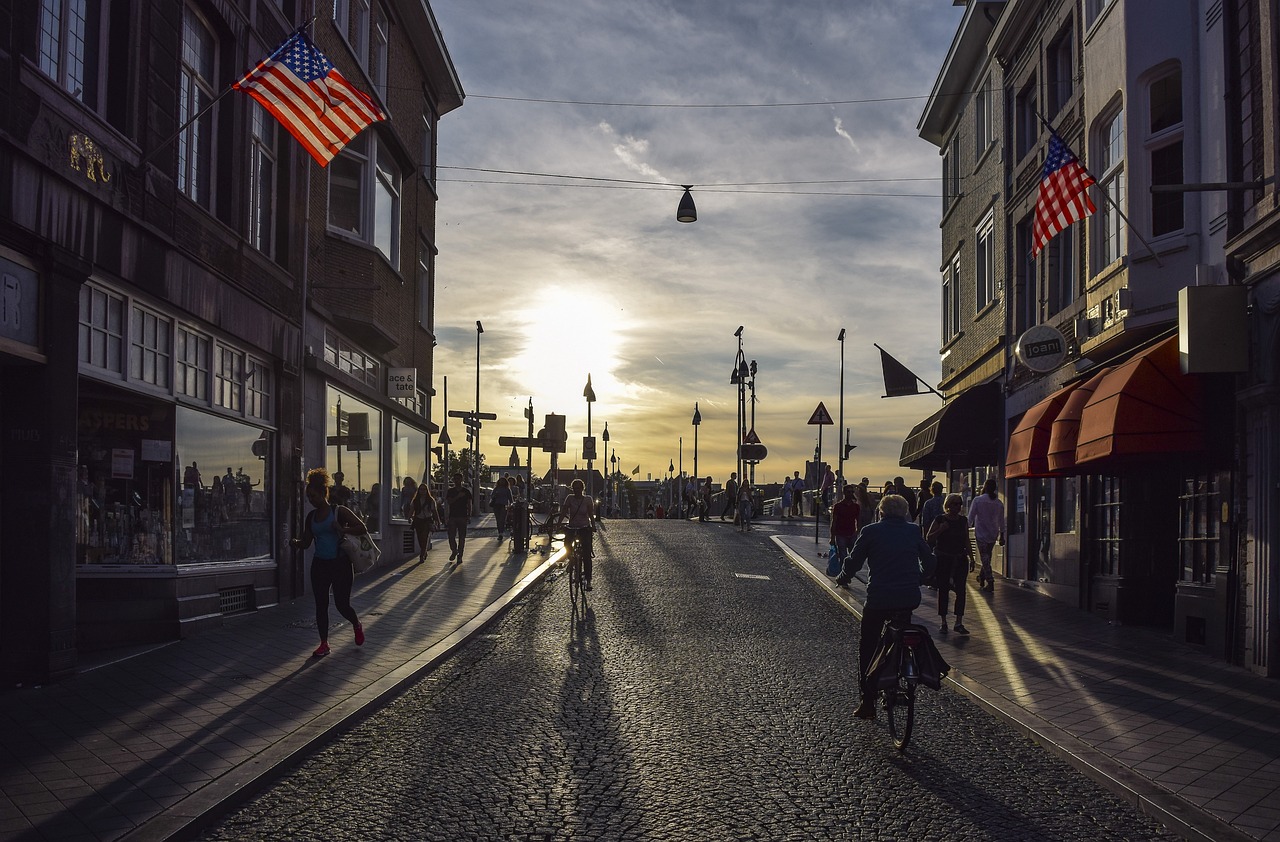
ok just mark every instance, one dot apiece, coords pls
pixel 895 553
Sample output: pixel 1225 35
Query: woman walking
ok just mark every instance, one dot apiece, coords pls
pixel 949 535
pixel 425 515
pixel 325 526
pixel 746 502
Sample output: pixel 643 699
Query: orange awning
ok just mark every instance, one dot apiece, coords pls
pixel 1061 456
pixel 1145 406
pixel 1028 454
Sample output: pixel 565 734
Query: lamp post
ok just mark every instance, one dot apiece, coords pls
pixel 840 461
pixel 590 395
pixel 671 470
pixel 475 451
pixel 614 484
pixel 445 441
pixel 697 420
pixel 680 478
pixel 739 378
pixel 608 481
pixel 752 385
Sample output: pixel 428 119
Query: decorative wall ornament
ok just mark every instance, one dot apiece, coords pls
pixel 85 157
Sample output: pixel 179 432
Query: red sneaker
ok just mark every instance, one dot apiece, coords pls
pixel 359 635
pixel 321 650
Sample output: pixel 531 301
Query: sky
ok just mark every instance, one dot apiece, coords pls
pixel 595 277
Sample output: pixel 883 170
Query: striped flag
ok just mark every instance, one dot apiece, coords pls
pixel 1063 199
pixel 306 93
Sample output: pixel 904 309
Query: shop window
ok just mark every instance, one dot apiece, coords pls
pixel 193 366
pixel 1066 491
pixel 353 437
pixel 1108 225
pixel 1198 538
pixel 229 382
pixel 102 329
pixel 195 93
pixel 408 461
pixel 150 358
pixel 223 511
pixel 1107 541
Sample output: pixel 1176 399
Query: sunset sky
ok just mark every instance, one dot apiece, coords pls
pixel 818 209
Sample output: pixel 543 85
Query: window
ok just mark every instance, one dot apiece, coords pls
pixel 196 91
pixel 1025 312
pixel 1060 71
pixel 985 263
pixel 367 29
pixel 378 53
pixel 364 195
pixel 1027 127
pixel 101 329
pixel 359 31
pixel 428 147
pixel 982 119
pixel 150 359
pixel 229 382
pixel 1199 506
pixel 1110 175
pixel 951 300
pixel 408 461
pixel 1247 100
pixel 262 180
pixel 69 47
pixel 257 390
pixel 426 291
pixel 1108 535
pixel 1065 493
pixel 349 359
pixel 356 429
pixel 951 173
pixel 1093 8
pixel 1061 271
pixel 192 352
pixel 1164 145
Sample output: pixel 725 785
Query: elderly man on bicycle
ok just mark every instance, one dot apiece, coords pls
pixel 579 511
pixel 896 556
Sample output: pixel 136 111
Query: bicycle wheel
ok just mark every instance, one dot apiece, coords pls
pixel 900 708
pixel 575 573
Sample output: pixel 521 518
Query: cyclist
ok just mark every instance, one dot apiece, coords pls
pixel 896 554
pixel 579 512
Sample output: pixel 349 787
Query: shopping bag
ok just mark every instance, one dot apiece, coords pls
pixel 361 551
pixel 834 563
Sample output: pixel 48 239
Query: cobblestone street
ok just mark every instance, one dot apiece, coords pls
pixel 705 693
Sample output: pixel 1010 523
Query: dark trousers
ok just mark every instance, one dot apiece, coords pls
pixel 456 528
pixel 335 573
pixel 951 574
pixel 869 633
pixel 500 518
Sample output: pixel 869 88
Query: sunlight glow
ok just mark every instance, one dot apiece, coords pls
pixel 568 334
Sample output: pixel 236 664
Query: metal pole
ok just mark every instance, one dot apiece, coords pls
pixel 840 461
pixel 475 451
pixel 817 498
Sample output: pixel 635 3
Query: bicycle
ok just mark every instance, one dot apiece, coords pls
pixel 573 550
pixel 906 649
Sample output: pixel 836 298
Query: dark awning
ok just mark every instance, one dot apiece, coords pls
pixel 1061 458
pixel 1145 407
pixel 1028 454
pixel 965 433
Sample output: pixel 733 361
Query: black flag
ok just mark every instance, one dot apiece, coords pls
pixel 898 379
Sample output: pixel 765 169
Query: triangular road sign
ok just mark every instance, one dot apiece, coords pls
pixel 751 437
pixel 820 415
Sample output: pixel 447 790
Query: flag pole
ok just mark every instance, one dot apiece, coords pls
pixel 1105 195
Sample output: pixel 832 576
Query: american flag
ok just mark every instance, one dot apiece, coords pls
pixel 1063 199
pixel 305 92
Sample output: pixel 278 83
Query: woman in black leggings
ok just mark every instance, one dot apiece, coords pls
pixel 325 526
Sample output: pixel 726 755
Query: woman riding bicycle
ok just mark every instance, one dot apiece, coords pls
pixel 579 511
pixel 896 554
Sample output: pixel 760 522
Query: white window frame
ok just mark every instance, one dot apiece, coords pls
pixel 982 119
pixel 228 378
pixel 263 172
pixel 1109 229
pixel 951 300
pixel 428 146
pixel 69 41
pixel 193 357
pixel 197 142
pixel 426 291
pixel 1157 141
pixel 380 50
pixel 103 325
pixel 257 388
pixel 378 176
pixel 1027 127
pixel 984 262
pixel 150 347
pixel 352 360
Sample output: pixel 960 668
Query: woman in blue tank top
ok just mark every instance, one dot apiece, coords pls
pixel 325 526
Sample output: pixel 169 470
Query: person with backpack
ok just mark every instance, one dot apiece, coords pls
pixel 949 536
pixel 325 526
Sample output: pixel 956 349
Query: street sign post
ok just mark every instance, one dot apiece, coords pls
pixel 820 418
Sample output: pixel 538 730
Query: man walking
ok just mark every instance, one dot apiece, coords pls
pixel 730 495
pixel 986 515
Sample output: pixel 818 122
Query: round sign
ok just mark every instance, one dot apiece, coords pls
pixel 1042 348
pixel 753 452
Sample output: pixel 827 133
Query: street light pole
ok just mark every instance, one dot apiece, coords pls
pixel 590 395
pixel 475 452
pixel 739 377
pixel 608 481
pixel 753 418
pixel 840 462
pixel 697 420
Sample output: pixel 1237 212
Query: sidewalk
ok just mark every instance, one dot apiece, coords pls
pixel 141 748
pixel 1190 740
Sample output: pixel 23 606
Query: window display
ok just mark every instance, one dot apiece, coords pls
pixel 408 460
pixel 352 455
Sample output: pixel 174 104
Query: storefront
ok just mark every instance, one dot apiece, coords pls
pixel 175 483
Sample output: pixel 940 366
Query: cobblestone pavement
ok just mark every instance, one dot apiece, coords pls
pixel 686 702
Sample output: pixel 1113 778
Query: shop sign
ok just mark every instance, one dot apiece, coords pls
pixel 1042 348
pixel 402 382
pixel 19 303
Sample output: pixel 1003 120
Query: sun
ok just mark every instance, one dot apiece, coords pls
pixel 569 333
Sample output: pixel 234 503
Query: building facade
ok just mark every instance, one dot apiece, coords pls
pixel 187 298
pixel 1128 339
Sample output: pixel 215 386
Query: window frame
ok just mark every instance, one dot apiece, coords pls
pixel 197 142
pixel 1109 231
pixel 984 262
pixel 951 300
pixel 1158 142
pixel 1027 125
pixel 264 153
pixel 982 134
pixel 1060 70
pixel 370 156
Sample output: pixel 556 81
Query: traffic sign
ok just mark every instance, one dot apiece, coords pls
pixel 518 441
pixel 462 413
pixel 751 437
pixel 753 452
pixel 820 415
